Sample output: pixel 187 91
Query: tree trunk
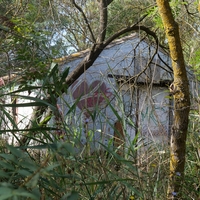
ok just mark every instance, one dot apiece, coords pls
pixel 180 90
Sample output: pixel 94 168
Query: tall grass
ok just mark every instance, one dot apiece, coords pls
pixel 53 162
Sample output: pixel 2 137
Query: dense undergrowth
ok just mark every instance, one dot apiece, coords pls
pixel 48 167
pixel 58 173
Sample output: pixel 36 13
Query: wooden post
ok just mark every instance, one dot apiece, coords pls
pixel 119 138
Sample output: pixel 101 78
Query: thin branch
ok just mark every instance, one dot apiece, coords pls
pixel 171 70
pixel 187 9
pixel 129 29
pixel 85 18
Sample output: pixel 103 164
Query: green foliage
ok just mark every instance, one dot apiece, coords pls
pixel 52 168
pixel 47 164
pixel 192 169
pixel 153 13
pixel 195 63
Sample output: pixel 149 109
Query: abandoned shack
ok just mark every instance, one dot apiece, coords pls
pixel 123 94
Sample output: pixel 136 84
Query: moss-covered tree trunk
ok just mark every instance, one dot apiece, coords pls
pixel 180 91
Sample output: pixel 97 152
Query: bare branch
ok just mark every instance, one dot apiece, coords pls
pixel 126 30
pixel 85 18
pixel 186 5
pixel 87 62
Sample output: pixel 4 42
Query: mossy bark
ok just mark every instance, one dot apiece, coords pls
pixel 180 91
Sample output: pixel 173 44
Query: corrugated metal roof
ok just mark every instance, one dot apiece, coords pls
pixel 82 54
